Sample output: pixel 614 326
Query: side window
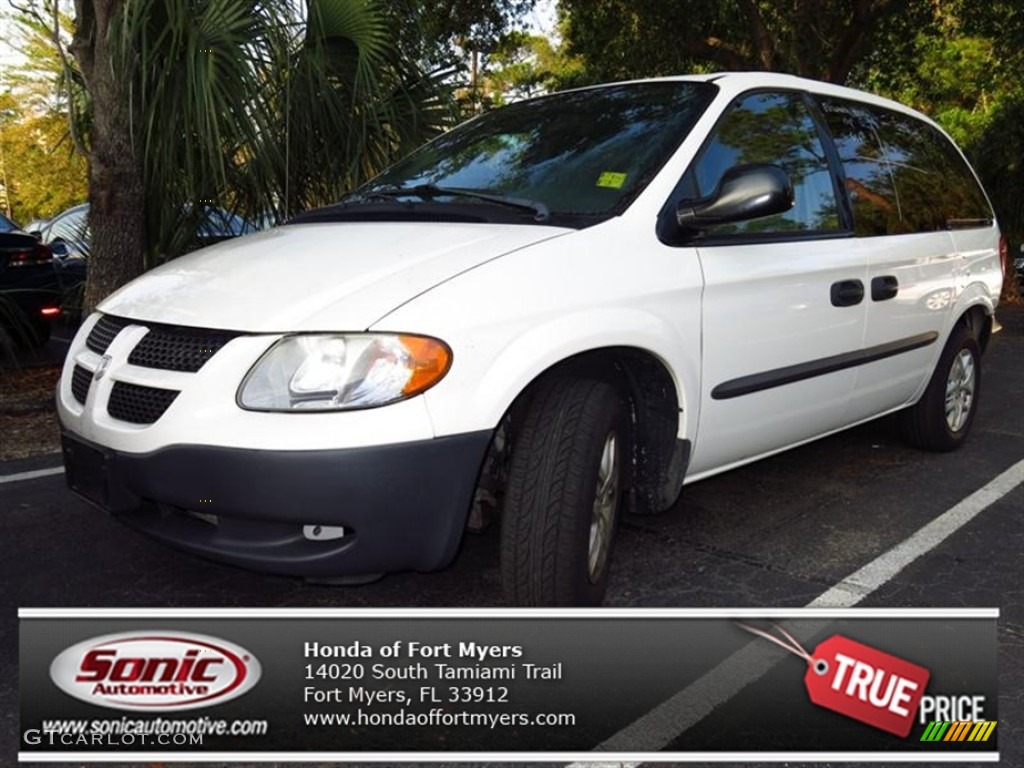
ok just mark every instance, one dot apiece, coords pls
pixel 936 188
pixel 902 175
pixel 772 128
pixel 869 183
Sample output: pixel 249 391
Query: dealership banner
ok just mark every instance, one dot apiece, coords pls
pixel 109 685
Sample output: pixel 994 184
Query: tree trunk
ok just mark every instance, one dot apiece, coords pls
pixel 117 203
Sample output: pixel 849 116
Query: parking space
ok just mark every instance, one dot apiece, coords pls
pixel 778 533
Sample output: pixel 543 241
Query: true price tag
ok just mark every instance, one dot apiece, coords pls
pixel 866 684
pixel 857 680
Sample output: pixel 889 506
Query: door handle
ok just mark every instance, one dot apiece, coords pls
pixel 884 288
pixel 847 293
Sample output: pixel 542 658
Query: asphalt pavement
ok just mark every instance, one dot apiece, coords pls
pixel 778 533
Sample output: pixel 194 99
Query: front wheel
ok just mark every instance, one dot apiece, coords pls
pixel 942 418
pixel 565 494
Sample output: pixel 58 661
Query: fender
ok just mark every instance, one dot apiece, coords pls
pixel 480 395
pixel 975 295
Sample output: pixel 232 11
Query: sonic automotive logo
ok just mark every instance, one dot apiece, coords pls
pixel 155 671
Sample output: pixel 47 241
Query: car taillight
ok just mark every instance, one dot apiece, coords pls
pixel 49 311
pixel 1004 256
pixel 34 256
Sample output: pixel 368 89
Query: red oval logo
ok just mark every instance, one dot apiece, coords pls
pixel 155 671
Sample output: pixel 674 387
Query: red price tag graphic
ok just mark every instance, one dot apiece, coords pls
pixel 866 684
pixel 857 680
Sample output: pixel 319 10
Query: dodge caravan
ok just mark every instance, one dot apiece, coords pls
pixel 557 313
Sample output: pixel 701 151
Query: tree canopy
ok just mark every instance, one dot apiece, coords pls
pixel 271 108
pixel 958 61
pixel 41 173
pixel 813 38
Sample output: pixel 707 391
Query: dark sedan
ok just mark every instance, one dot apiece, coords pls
pixel 30 291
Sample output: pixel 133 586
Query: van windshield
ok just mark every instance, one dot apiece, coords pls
pixel 580 155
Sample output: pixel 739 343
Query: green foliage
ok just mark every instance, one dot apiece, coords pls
pixel 437 32
pixel 43 174
pixel 351 103
pixel 265 109
pixel 470 41
pixel 998 157
pixel 620 39
pixel 526 65
pixel 960 62
pixel 39 170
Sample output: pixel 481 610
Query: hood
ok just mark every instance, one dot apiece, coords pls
pixel 315 277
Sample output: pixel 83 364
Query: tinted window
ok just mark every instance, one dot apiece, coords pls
pixel 902 175
pixel 580 152
pixel 936 189
pixel 869 183
pixel 772 128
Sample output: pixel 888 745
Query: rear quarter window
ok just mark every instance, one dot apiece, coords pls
pixel 902 175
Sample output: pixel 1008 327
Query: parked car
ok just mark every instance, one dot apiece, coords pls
pixel 35 227
pixel 29 292
pixel 1018 267
pixel 580 303
pixel 68 233
pixel 70 236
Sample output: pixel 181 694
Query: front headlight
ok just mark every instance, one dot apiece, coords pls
pixel 327 372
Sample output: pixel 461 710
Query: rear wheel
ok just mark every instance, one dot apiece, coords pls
pixel 565 494
pixel 942 418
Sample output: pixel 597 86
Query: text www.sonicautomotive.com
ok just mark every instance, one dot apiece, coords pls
pixel 130 732
pixel 438 717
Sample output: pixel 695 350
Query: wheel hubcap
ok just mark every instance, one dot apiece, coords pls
pixel 960 390
pixel 606 501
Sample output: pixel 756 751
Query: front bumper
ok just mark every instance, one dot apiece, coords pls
pixel 403 506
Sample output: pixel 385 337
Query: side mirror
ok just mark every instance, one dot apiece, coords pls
pixel 59 247
pixel 745 192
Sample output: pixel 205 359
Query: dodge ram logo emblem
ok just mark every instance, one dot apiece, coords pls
pixel 102 368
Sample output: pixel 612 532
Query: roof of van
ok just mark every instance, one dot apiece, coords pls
pixel 735 83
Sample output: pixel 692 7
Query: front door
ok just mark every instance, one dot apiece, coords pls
pixel 783 304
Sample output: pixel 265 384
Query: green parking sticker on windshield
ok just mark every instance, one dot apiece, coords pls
pixel 611 180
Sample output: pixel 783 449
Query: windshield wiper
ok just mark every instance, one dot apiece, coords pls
pixel 541 213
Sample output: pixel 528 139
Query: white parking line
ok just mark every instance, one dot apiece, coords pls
pixel 662 725
pixel 859 585
pixel 18 477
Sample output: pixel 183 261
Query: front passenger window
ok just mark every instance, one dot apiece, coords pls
pixel 774 128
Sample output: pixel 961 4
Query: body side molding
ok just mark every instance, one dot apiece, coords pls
pixel 778 377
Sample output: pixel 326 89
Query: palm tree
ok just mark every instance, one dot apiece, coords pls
pixel 264 108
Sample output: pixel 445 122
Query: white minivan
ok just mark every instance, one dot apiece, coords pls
pixel 557 313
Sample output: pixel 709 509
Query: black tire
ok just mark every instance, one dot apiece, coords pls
pixel 927 424
pixel 558 458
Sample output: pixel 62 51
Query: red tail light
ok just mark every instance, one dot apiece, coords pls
pixel 34 256
pixel 49 311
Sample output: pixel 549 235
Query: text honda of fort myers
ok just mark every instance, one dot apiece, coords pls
pixel 564 309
